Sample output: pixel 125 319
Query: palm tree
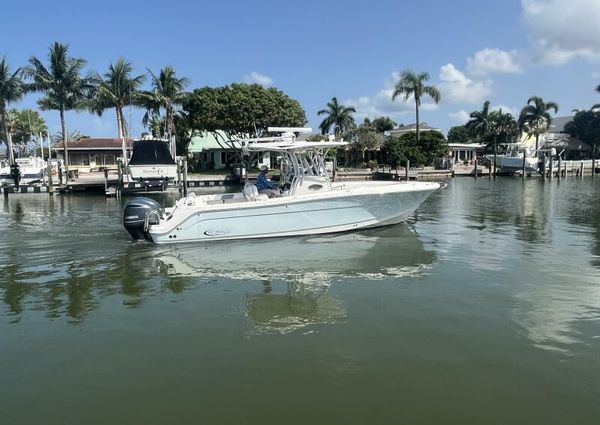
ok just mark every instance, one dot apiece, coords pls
pixel 167 92
pixel 413 84
pixel 337 116
pixel 535 118
pixel 12 89
pixel 503 125
pixel 481 123
pixel 117 90
pixel 62 84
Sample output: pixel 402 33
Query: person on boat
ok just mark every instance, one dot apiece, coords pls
pixel 263 185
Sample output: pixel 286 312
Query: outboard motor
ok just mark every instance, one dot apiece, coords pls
pixel 139 214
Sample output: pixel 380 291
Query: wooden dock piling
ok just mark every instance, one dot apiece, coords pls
pixel 185 175
pixel 50 185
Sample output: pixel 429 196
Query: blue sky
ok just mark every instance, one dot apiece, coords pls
pixel 474 51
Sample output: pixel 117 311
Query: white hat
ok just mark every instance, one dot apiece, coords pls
pixel 264 168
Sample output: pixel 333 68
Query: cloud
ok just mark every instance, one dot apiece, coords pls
pixel 381 104
pixel 456 87
pixel 513 111
pixel 493 61
pixel 561 30
pixel 459 117
pixel 256 78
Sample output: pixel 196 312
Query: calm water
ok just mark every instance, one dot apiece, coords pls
pixel 485 308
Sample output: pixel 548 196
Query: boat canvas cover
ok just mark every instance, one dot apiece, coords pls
pixel 150 152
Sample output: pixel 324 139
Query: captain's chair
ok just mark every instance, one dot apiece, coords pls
pixel 251 193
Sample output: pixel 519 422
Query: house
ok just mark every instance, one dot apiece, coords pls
pixel 556 137
pixel 89 154
pixel 215 152
pixel 465 152
pixel 411 128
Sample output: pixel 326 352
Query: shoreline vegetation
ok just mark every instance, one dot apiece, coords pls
pixel 243 110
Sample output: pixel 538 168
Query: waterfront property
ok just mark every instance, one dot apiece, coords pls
pixel 411 128
pixel 465 152
pixel 213 152
pixel 89 154
pixel 556 137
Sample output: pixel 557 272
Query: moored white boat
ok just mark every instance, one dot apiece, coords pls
pixel 307 202
pixel 32 171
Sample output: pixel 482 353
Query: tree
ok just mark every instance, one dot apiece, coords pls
pixel 459 134
pixel 242 110
pixel 535 118
pixel 337 116
pixel 504 126
pixel 363 138
pixel 412 84
pixel 117 89
pixel 12 89
pixel 61 83
pixel 26 125
pixel 383 124
pixel 431 145
pixel 585 126
pixel 167 92
pixel 481 123
pixel 71 137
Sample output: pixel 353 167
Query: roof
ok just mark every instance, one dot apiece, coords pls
pixel 558 124
pixel 411 128
pixel 466 146
pixel 95 143
pixel 568 143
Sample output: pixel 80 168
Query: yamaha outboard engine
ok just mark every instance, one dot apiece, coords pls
pixel 139 214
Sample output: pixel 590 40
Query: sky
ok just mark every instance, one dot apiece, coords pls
pixel 501 51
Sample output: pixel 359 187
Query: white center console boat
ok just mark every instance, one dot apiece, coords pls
pixel 307 201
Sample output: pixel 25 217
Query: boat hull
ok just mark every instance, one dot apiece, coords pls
pixel 296 216
pixel 515 163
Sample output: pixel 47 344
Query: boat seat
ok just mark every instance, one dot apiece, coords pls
pixel 251 193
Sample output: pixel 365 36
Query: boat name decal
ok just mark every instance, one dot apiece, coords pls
pixel 217 232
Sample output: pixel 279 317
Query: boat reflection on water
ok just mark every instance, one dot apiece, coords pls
pixel 297 272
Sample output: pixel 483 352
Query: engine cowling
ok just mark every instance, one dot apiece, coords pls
pixel 140 213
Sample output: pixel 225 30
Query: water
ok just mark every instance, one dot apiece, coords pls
pixel 484 308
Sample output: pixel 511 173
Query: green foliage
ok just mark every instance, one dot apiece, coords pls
pixel 12 89
pixel 337 116
pixel 431 145
pixel 383 124
pixel 459 134
pixel 504 127
pixel 481 123
pixel 535 117
pixel 362 138
pixel 117 89
pixel 168 92
pixel 585 126
pixel 316 138
pixel 25 125
pixel 242 110
pixel 413 84
pixel 62 84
